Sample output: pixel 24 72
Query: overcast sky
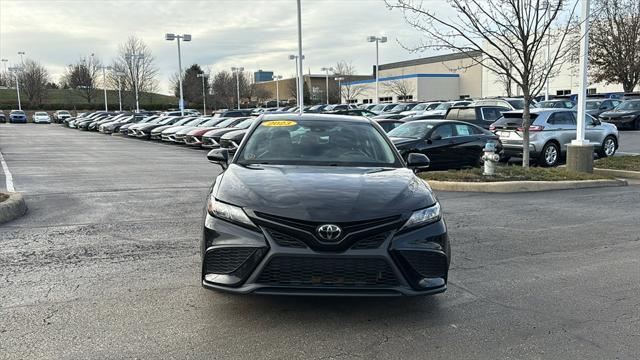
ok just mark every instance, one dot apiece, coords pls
pixel 255 34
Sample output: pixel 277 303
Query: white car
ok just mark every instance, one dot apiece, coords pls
pixel 420 108
pixel 441 110
pixel 41 117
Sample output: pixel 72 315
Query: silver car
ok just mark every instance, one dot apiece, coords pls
pixel 550 132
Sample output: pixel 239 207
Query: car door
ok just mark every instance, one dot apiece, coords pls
pixel 593 131
pixel 440 146
pixel 469 144
pixel 563 124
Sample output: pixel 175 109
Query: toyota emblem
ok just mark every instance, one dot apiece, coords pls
pixel 329 232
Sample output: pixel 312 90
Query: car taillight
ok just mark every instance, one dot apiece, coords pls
pixel 532 128
pixel 492 128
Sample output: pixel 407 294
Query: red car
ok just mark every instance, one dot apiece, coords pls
pixel 194 137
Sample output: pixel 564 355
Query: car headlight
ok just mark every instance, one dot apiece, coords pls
pixel 423 217
pixel 228 212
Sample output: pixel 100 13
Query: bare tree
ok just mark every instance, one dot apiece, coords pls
pixel 82 76
pixel 494 27
pixel 348 90
pixel 33 80
pixel 402 88
pixel 223 88
pixel 615 43
pixel 139 69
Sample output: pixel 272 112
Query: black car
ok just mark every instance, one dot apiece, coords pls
pixel 389 124
pixel 481 115
pixel 322 205
pixel 448 144
pixel 625 115
pixel 232 139
pixel 236 113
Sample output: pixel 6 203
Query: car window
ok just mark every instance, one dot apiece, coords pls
pixel 562 118
pixel 491 114
pixel 465 130
pixel 568 104
pixel 467 114
pixel 413 130
pixel 517 104
pixel 445 131
pixel 630 105
pixel 317 142
pixel 594 105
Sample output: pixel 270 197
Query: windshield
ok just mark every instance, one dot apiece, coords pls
pixel 412 130
pixel 443 106
pixel 400 107
pixel 63 112
pixel 378 107
pixel 420 107
pixel 317 142
pixel 629 105
pixel 593 105
pixel 20 112
pixel 41 113
pixel 183 121
pixel 245 124
pixel 226 123
pixel 167 121
pixel 210 122
pixel 517 104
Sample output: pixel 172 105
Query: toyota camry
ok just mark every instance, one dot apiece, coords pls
pixel 322 205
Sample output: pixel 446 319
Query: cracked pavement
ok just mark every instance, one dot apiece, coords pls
pixel 105 265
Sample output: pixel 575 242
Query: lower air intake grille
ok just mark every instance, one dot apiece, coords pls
pixel 427 264
pixel 371 242
pixel 226 260
pixel 338 272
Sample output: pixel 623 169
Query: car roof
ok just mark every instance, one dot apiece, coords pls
pixel 312 116
pixel 539 111
pixel 439 121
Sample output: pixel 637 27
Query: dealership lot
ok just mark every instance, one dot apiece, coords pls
pixel 106 265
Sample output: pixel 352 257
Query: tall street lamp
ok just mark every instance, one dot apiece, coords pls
pixel 237 71
pixel 4 63
pixel 134 73
pixel 277 79
pixel 15 70
pixel 185 37
pixel 377 40
pixel 118 75
pixel 326 78
pixel 104 84
pixel 300 58
pixel 295 57
pixel 339 80
pixel 204 94
pixel 21 53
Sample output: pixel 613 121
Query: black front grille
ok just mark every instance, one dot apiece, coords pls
pixel 370 242
pixel 321 271
pixel 283 239
pixel 426 263
pixel 226 260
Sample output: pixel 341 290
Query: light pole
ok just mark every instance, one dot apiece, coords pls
pixel 377 40
pixel 185 37
pixel 237 71
pixel 104 85
pixel 204 94
pixel 134 74
pixel 21 53
pixel 15 71
pixel 339 80
pixel 295 57
pixel 326 78
pixel 277 79
pixel 4 63
pixel 118 75
pixel 300 58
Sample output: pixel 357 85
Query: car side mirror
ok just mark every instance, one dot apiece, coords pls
pixel 436 137
pixel 219 156
pixel 417 161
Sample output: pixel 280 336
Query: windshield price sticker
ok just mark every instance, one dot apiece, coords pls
pixel 279 123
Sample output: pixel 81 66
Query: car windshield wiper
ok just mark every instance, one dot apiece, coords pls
pixel 380 170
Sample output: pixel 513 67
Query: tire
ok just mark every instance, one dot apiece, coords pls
pixel 609 147
pixel 550 155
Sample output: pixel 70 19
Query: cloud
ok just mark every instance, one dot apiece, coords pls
pixel 255 34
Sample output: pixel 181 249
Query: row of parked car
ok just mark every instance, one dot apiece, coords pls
pixel 454 141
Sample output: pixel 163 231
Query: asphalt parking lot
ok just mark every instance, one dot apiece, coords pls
pixel 106 265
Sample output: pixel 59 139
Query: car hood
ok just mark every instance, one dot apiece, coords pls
pixel 401 141
pixel 324 194
pixel 235 135
pixel 218 132
pixel 200 131
pixel 147 126
pixel 619 113
pixel 185 129
pixel 162 128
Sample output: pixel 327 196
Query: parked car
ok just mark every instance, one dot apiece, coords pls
pixel 595 107
pixel 231 140
pixel 625 115
pixel 353 112
pixel 84 124
pixel 389 124
pixel 211 139
pixel 342 216
pixel 556 104
pixel 143 131
pixel 448 144
pixel 510 103
pixel 124 129
pixel 181 134
pixel 60 115
pixel 114 126
pixel 3 118
pixel 17 116
pixel 317 108
pixel 156 134
pixel 419 108
pixel 194 137
pixel 96 124
pixel 481 115
pixel 41 117
pixel 441 110
pixel 550 132
pixel 236 113
pixel 381 108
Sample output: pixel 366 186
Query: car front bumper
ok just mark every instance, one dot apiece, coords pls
pixel 243 261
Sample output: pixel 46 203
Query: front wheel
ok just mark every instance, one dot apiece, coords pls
pixel 609 146
pixel 550 155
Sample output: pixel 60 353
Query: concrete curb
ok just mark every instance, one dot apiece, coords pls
pixel 12 208
pixel 522 186
pixel 626 174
